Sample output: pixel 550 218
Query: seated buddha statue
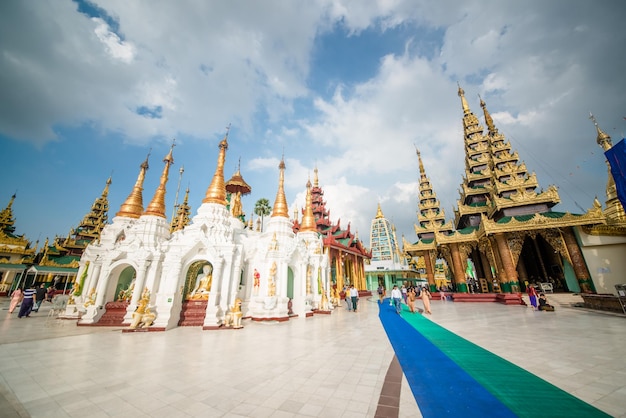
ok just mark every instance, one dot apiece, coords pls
pixel 203 283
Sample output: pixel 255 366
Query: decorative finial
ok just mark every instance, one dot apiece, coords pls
pixel 461 92
pixel 603 139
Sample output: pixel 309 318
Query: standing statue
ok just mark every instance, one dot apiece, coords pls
pixel 203 284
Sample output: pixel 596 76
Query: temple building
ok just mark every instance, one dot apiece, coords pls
pixel 346 253
pixel 388 266
pixel 16 252
pixel 505 233
pixel 57 264
pixel 207 271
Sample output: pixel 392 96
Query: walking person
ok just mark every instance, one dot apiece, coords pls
pixel 381 293
pixel 532 295
pixel 426 300
pixel 410 296
pixel 346 297
pixel 403 290
pixel 354 296
pixel 16 298
pixel 27 302
pixel 396 297
pixel 40 295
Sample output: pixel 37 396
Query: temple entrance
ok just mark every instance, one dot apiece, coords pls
pixel 539 262
pixel 125 284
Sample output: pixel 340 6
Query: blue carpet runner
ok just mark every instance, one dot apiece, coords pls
pixel 452 377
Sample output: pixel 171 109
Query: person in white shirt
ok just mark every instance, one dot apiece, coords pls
pixel 354 295
pixel 396 296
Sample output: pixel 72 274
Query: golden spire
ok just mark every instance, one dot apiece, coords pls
pixel 216 193
pixel 466 108
pixel 488 120
pixel 316 182
pixel 603 139
pixel 280 205
pixel 182 215
pixel 308 219
pixel 157 205
pixel 105 192
pixel 419 158
pixel 379 212
pixel 133 206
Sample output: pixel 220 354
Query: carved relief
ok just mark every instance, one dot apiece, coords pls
pixel 515 241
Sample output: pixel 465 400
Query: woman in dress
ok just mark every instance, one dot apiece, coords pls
pixel 426 300
pixel 532 295
pixel 16 298
pixel 410 296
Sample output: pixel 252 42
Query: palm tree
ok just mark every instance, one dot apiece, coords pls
pixel 262 208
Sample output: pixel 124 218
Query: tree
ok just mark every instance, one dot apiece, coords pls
pixel 262 208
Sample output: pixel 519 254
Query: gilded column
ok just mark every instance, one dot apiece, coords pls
pixel 430 270
pixel 459 271
pixel 578 262
pixel 512 284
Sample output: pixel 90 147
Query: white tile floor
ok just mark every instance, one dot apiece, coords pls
pixel 325 366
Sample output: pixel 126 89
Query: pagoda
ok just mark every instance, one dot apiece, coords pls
pixel 15 251
pixel 57 263
pixel 183 214
pixel 346 253
pixel 505 233
pixel 388 265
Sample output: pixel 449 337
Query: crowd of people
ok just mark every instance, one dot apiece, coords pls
pixel 29 299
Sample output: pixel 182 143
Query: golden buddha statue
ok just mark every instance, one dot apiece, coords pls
pixel 203 283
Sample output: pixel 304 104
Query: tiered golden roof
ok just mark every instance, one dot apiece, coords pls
pixel 495 180
pixel 430 216
pixel 182 218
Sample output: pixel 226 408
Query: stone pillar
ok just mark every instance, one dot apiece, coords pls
pixel 578 262
pixel 459 271
pixel 213 316
pixel 512 284
pixel 100 285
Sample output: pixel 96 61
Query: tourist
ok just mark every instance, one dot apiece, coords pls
pixel 396 297
pixel 40 295
pixel 346 297
pixel 543 303
pixel 16 298
pixel 410 297
pixel 532 295
pixel 404 293
pixel 50 293
pixel 354 296
pixel 426 299
pixel 27 302
pixel 381 293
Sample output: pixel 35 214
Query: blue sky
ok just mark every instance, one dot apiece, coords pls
pixel 350 87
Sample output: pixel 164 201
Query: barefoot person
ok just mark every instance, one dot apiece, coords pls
pixel 426 299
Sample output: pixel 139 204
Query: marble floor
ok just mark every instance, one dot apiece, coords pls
pixel 324 366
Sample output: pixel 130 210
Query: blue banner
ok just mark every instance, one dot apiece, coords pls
pixel 616 157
